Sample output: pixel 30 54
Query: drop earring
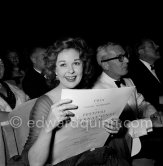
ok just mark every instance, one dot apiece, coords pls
pixel 56 76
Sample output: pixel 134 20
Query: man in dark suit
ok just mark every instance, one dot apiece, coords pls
pixel 34 82
pixel 143 72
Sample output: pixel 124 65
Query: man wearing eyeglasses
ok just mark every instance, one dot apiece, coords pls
pixel 114 62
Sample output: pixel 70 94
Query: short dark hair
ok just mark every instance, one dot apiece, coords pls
pixel 85 54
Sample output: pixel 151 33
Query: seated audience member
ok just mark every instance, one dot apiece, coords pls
pixel 144 72
pixel 10 95
pixel 114 61
pixel 159 68
pixel 14 70
pixel 34 83
pixel 71 65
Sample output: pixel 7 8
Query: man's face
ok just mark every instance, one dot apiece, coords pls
pixel 39 58
pixel 116 68
pixel 151 50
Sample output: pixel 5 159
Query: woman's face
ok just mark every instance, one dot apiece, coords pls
pixel 69 68
pixel 13 57
pixel 2 69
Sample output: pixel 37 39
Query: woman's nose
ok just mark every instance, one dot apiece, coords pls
pixel 71 69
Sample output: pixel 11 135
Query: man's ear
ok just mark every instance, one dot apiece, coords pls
pixel 33 59
pixel 105 66
pixel 141 51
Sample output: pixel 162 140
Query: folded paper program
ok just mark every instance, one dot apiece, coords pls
pixel 86 130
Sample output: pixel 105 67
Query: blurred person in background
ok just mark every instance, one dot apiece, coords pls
pixel 146 73
pixel 10 95
pixel 34 83
pixel 14 70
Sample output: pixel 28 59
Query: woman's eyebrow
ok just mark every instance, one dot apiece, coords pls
pixel 61 61
pixel 77 59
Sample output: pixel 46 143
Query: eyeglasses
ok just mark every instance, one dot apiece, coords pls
pixel 120 57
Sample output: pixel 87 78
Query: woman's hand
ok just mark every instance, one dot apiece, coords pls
pixel 59 113
pixel 113 125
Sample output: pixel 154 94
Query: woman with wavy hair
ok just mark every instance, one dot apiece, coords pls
pixel 68 67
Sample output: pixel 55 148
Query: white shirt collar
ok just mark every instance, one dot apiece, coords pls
pixel 146 64
pixel 37 70
pixel 149 68
pixel 105 78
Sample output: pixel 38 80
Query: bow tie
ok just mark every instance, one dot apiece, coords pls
pixel 118 83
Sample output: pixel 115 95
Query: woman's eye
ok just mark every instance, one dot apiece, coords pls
pixel 77 63
pixel 62 65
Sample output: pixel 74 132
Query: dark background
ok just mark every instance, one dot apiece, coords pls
pixel 24 25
